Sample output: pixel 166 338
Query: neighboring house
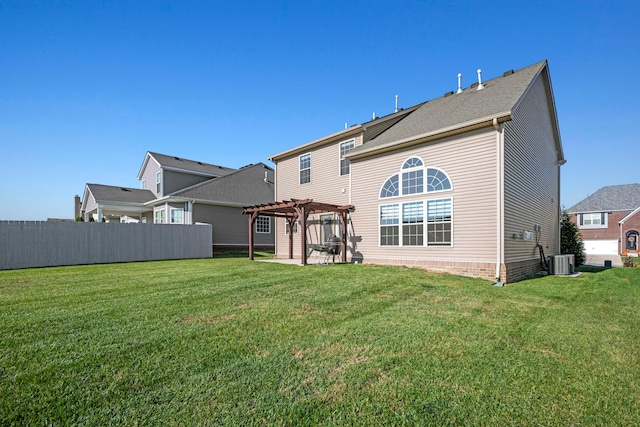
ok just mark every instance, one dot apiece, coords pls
pixel 467 183
pixel 121 204
pixel 181 191
pixel 609 220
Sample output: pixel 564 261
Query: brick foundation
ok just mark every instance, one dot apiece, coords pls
pixel 509 272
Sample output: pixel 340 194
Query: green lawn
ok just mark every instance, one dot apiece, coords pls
pixel 227 341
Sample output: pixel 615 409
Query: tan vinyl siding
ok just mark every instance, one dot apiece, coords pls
pixel 326 186
pixel 470 162
pixel 230 227
pixel 531 177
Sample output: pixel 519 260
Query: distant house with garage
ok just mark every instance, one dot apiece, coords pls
pixel 175 190
pixel 609 220
pixel 467 183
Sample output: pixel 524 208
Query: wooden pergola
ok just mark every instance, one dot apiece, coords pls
pixel 293 210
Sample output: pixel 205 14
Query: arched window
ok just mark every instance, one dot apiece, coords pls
pixel 412 176
pixel 411 180
pixel 390 188
pixel 437 180
pixel 413 162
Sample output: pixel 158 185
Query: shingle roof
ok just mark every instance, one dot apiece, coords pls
pixel 191 165
pixel 370 130
pixel 110 193
pixel 245 186
pixel 611 198
pixel 499 96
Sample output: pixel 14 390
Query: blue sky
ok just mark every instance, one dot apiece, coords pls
pixel 88 87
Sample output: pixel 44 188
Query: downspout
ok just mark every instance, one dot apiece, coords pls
pixel 190 212
pixel 620 224
pixel 499 197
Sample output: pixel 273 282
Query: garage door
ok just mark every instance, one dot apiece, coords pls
pixel 601 247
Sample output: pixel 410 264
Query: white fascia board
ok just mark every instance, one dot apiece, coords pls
pixel 353 130
pixel 173 199
pixel 144 164
pixel 430 136
pixel 623 220
pixel 85 195
pixel 123 207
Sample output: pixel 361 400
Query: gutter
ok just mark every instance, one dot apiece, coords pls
pixel 430 136
pixel 170 199
pixel 352 131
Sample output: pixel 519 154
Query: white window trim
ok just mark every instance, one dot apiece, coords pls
pixel 143 184
pixel 268 224
pixel 296 227
pixel 425 223
pixel 171 211
pixel 591 226
pixel 159 182
pixel 341 157
pixel 424 183
pixel 164 215
pixel 300 169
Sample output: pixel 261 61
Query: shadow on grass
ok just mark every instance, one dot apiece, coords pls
pixel 592 269
pixel 265 255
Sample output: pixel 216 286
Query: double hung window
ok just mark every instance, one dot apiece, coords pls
pixel 593 220
pixel 177 216
pixel 305 168
pixel 345 165
pixel 158 216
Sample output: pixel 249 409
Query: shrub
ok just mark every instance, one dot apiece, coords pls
pixel 571 240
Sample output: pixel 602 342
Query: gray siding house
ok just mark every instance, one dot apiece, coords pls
pixel 181 191
pixel 467 183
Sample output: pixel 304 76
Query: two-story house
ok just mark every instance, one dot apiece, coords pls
pixel 609 220
pixel 182 191
pixel 467 183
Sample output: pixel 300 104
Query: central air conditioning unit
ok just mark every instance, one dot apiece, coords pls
pixel 562 265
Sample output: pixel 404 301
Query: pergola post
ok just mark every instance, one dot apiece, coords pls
pixel 297 210
pixel 303 216
pixel 343 223
pixel 291 221
pixel 252 219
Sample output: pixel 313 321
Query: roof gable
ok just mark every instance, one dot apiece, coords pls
pixel 463 110
pixel 185 165
pixel 369 130
pixel 110 193
pixel 610 198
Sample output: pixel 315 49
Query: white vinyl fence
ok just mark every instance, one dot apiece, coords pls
pixel 26 244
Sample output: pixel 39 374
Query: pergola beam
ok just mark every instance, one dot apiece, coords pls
pixel 293 210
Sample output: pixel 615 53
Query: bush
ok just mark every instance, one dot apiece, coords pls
pixel 571 240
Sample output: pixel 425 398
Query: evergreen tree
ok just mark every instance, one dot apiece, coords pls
pixel 571 240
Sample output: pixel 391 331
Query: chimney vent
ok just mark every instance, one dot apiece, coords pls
pixel 480 85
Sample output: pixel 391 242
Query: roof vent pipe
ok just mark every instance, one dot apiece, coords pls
pixel 396 103
pixel 459 83
pixel 480 85
pixel 373 116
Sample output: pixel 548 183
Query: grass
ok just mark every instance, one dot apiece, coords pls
pixel 227 341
